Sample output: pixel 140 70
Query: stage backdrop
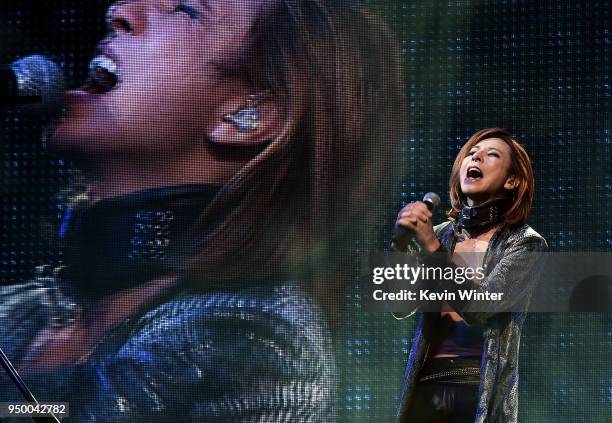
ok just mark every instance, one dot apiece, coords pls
pixel 540 69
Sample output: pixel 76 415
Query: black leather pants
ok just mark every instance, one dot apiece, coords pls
pixel 444 399
pixel 442 403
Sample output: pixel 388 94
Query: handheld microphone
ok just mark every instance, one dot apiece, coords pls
pixel 432 200
pixel 34 84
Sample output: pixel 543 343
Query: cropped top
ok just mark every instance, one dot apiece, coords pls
pixel 459 338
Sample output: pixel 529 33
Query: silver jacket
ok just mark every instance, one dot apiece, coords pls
pixel 510 267
pixel 259 354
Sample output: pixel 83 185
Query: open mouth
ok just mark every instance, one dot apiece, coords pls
pixel 103 75
pixel 474 173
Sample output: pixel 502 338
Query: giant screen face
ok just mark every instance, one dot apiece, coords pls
pixel 539 69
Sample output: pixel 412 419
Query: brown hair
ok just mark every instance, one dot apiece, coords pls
pixel 522 195
pixel 298 207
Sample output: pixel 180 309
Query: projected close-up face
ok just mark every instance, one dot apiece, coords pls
pixel 485 171
pixel 306 210
pixel 159 84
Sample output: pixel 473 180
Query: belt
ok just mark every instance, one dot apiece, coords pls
pixel 452 370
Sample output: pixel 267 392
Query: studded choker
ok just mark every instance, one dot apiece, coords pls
pixel 484 215
pixel 124 241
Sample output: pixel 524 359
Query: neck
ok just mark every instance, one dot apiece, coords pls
pixel 117 175
pixel 482 232
pixel 475 201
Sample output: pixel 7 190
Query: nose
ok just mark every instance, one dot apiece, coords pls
pixel 477 156
pixel 126 17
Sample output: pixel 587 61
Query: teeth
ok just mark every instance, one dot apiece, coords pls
pixel 103 62
pixel 474 170
pixel 104 74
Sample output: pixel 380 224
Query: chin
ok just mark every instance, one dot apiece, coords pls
pixel 470 190
pixel 66 135
pixel 70 136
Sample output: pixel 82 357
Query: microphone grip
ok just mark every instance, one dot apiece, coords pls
pixel 431 200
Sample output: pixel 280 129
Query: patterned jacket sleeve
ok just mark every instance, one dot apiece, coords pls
pixel 222 357
pixel 515 274
pixel 26 310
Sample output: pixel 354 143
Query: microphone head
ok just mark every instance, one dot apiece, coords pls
pixel 432 200
pixel 37 76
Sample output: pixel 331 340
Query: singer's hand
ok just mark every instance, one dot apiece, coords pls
pixel 414 220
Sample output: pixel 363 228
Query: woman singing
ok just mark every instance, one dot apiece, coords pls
pixel 463 366
pixel 229 150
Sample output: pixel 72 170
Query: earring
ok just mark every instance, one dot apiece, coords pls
pixel 247 119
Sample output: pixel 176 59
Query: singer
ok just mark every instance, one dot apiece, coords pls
pixel 463 366
pixel 229 151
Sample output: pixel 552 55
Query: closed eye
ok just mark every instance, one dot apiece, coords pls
pixel 191 11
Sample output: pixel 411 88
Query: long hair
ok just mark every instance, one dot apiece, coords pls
pixel 298 206
pixel 522 195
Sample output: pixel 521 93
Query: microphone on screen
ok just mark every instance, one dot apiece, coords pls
pixel 432 200
pixel 34 84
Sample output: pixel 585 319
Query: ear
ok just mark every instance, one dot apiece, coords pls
pixel 511 183
pixel 268 123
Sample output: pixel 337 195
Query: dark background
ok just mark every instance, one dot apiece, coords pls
pixel 540 69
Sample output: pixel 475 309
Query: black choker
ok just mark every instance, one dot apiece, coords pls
pixel 124 241
pixel 483 215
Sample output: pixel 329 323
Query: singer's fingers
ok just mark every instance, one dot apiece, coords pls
pixel 408 223
pixel 414 214
pixel 413 219
pixel 417 206
pixel 409 227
